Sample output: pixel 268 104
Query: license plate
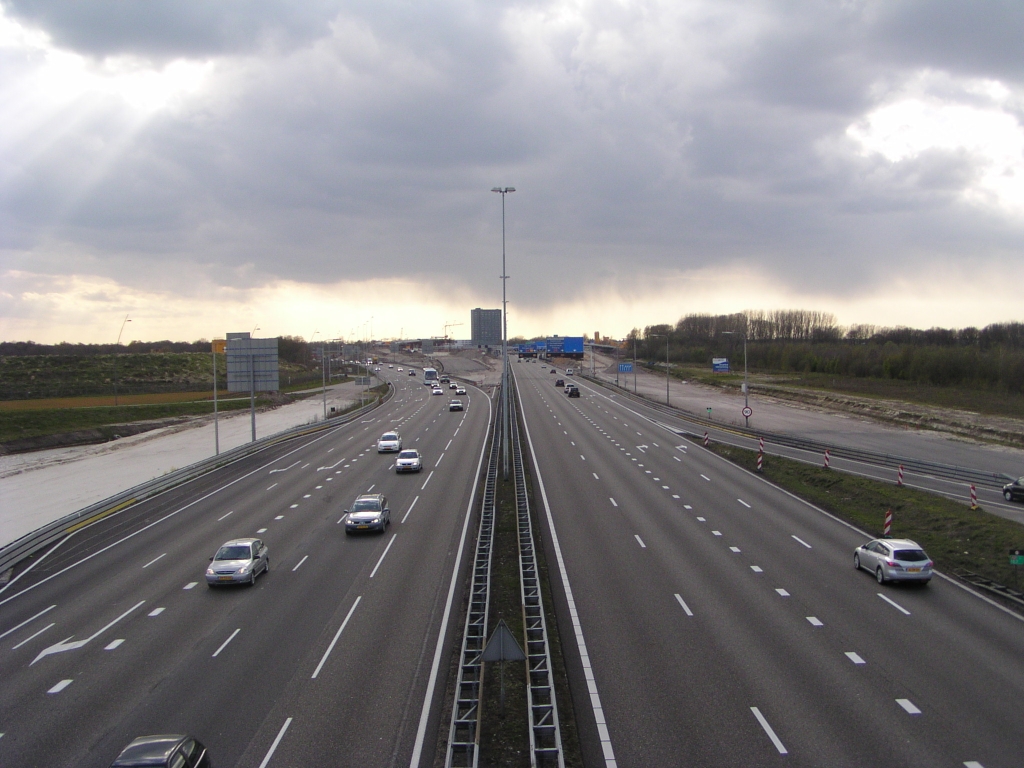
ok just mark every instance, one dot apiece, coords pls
pixel 224 578
pixel 360 527
pixel 913 570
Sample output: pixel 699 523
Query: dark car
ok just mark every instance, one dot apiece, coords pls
pixel 164 751
pixel 571 391
pixel 369 512
pixel 559 382
pixel 1014 491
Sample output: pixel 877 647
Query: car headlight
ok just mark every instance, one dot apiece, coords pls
pixel 244 569
pixel 209 572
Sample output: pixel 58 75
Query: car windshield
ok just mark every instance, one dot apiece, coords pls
pixel 365 505
pixel 389 436
pixel 407 455
pixel 234 552
pixel 910 555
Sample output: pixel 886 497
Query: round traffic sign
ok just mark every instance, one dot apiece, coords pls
pixel 747 412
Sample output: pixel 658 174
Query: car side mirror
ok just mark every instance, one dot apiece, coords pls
pixel 211 559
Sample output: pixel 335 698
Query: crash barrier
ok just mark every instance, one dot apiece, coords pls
pixel 918 466
pixel 30 543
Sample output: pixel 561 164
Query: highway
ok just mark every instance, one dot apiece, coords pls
pixel 717 621
pixel 330 659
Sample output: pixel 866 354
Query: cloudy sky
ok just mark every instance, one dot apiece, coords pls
pixel 326 166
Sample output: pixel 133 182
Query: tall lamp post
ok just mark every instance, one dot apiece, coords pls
pixel 117 346
pixel 667 369
pixel 252 384
pixel 504 336
pixel 746 389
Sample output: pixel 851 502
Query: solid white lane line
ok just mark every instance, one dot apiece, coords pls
pixel 280 735
pixel 156 612
pixel 684 605
pixel 154 560
pixel 60 686
pixel 855 658
pixel 272 487
pixel 113 644
pixel 614 503
pixel 228 514
pixel 33 637
pixel 908 705
pixel 337 634
pixel 640 541
pixel 802 542
pixel 299 564
pixel 706 478
pixel 782 592
pixel 427 480
pixel 741 501
pixel 769 731
pixel 225 643
pixel 383 555
pixel 595 698
pixel 439 459
pixel 815 621
pixel 894 604
pixel 410 508
pixel 27 621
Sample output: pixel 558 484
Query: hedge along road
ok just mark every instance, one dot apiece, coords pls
pixel 232 666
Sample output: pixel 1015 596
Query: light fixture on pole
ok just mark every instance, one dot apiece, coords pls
pixel 504 336
pixel 746 388
pixel 117 346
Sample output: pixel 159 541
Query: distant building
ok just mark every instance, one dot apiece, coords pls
pixel 486 327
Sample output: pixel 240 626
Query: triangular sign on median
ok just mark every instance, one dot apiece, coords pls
pixel 502 646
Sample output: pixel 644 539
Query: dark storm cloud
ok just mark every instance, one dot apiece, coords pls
pixel 341 140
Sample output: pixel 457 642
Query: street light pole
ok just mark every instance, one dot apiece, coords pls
pixel 504 337
pixel 667 369
pixel 746 387
pixel 252 385
pixel 117 346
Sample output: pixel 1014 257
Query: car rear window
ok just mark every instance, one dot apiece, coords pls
pixel 910 555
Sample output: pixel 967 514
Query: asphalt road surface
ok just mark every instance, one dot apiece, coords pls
pixel 330 659
pixel 709 619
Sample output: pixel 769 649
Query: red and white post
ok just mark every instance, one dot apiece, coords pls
pixel 974 497
pixel 899 477
pixel 707 440
pixel 760 454
pixel 828 457
pixel 887 528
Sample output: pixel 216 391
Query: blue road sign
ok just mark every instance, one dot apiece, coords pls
pixel 625 367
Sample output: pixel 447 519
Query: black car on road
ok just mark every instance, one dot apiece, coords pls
pixel 1014 491
pixel 164 751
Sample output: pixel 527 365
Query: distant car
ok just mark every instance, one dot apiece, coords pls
pixel 445 379
pixel 553 369
pixel 572 391
pixel 238 561
pixel 453 385
pixel 894 560
pixel 400 369
pixel 1014 491
pixel 390 365
pixel 411 373
pixel 559 382
pixel 409 461
pixel 369 512
pixel 460 390
pixel 389 442
pixel 455 405
pixel 437 391
pixel 163 751
pixel 568 371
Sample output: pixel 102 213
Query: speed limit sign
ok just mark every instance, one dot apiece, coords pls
pixel 747 412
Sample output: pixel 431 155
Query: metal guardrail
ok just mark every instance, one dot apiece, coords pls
pixel 464 733
pixel 919 466
pixel 542 708
pixel 21 548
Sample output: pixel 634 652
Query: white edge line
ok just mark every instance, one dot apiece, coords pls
pixel 323 659
pixel 26 621
pixel 154 560
pixel 684 605
pixel 410 508
pixel 439 648
pixel 802 541
pixel 33 637
pixel 273 747
pixel 595 699
pixel 427 480
pixel 768 729
pixel 894 604
pixel 225 643
pixel 383 555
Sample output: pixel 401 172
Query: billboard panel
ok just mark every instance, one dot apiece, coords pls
pixel 720 365
pixel 251 362
pixel 572 345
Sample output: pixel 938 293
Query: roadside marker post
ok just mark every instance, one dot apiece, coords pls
pixel 828 457
pixel 974 497
pixel 760 454
pixel 899 477
pixel 887 528
pixel 707 440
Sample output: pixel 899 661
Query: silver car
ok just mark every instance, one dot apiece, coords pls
pixel 894 560
pixel 409 461
pixel 238 561
pixel 389 442
pixel 369 512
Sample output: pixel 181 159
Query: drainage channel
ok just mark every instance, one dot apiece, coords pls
pixel 464 736
pixel 545 736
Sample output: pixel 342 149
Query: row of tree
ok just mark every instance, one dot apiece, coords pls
pixel 291 349
pixel 805 341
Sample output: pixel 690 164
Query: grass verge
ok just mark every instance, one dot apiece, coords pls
pixel 956 537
